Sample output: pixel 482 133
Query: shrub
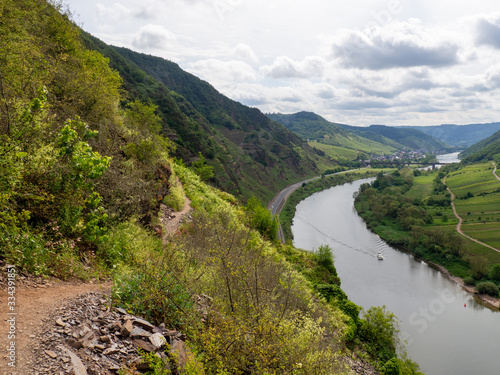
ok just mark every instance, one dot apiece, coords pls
pixel 488 287
pixel 495 272
pixel 176 197
pixel 379 330
pixel 469 280
pixel 391 367
pixel 126 242
pixel 154 292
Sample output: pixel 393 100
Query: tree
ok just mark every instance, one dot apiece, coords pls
pixel 202 169
pixel 495 272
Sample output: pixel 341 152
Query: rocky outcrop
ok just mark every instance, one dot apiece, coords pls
pixel 87 336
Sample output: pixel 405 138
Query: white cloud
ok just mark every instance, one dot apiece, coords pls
pixel 285 67
pixel 398 44
pixel 245 53
pixel 488 31
pixel 214 70
pixel 153 37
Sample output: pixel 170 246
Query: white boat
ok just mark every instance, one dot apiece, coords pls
pixel 380 256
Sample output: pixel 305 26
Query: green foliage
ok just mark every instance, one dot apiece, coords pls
pixel 153 291
pixel 262 220
pixel 175 197
pixel 391 367
pixel 495 272
pixel 379 330
pixel 40 254
pixel 200 167
pixel 126 243
pixel 469 280
pixel 488 287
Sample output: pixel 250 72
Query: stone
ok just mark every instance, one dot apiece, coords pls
pixel 143 323
pixel 75 344
pixel 178 349
pixel 60 322
pixel 89 340
pixel 158 340
pixel 78 366
pixel 105 338
pixel 112 350
pixel 51 354
pixel 127 328
pixel 144 345
pixel 139 332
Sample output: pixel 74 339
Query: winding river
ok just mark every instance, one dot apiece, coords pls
pixel 446 330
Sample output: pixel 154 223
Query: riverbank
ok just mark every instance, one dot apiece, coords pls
pixel 485 299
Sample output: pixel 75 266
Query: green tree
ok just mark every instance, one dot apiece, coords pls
pixel 495 272
pixel 202 169
pixel 262 220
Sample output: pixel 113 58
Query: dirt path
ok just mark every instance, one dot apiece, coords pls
pixel 459 225
pixel 172 219
pixel 495 171
pixel 34 299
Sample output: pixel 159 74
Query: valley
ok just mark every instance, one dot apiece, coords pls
pixel 121 171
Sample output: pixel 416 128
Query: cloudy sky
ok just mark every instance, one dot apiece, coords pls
pixel 358 62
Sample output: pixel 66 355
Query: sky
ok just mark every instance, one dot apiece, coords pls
pixel 356 62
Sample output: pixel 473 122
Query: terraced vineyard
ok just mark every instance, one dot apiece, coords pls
pixel 477 192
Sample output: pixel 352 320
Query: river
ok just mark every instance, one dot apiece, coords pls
pixel 447 331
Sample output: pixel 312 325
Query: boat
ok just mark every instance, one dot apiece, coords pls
pixel 380 256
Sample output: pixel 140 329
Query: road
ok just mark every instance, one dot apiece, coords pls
pixel 279 200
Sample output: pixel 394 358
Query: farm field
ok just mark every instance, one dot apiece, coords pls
pixel 422 187
pixel 480 213
pixel 475 179
pixel 483 204
pixel 335 152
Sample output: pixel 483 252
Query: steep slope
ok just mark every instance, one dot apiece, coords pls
pixel 311 126
pixel 251 154
pixel 487 149
pixel 461 135
pixel 410 138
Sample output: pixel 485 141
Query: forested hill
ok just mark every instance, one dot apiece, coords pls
pixel 311 126
pixel 487 149
pixel 411 138
pixel 461 135
pixel 251 154
pixel 385 139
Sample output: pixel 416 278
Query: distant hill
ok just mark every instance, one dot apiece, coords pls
pixel 251 154
pixel 461 135
pixel 487 149
pixel 311 126
pixel 408 137
pixel 378 139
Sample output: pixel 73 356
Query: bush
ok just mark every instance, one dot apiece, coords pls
pixel 495 272
pixel 152 291
pixel 126 242
pixel 488 287
pixel 176 197
pixel 469 280
pixel 391 367
pixel 379 330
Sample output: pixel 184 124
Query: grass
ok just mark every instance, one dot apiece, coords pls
pixel 422 187
pixel 335 152
pixel 482 204
pixel 476 179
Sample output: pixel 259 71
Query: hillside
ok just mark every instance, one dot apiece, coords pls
pixel 88 180
pixel 311 126
pixel 250 154
pixel 461 135
pixel 409 138
pixel 487 149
